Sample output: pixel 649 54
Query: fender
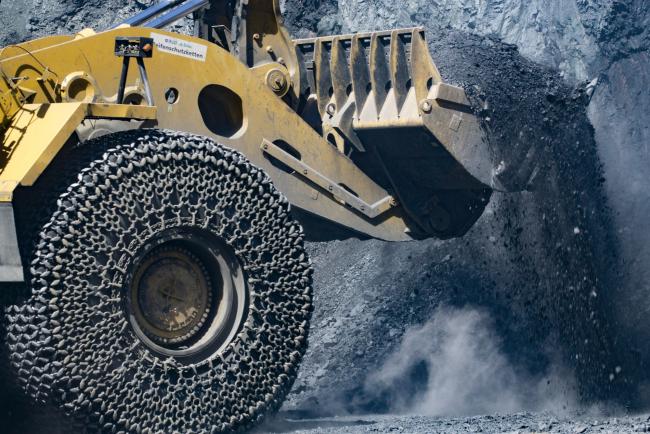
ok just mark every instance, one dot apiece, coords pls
pixel 35 135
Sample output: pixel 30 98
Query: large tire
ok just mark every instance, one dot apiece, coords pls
pixel 76 340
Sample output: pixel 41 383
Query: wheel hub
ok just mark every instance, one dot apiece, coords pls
pixel 171 295
pixel 187 295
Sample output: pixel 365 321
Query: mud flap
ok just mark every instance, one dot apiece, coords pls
pixel 11 268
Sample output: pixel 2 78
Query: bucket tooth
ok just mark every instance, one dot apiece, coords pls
pixel 379 71
pixel 361 84
pixel 399 68
pixel 423 70
pixel 410 107
pixel 340 70
pixel 390 110
pixel 324 87
pixel 369 111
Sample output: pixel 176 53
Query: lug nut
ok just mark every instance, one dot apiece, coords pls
pixel 426 106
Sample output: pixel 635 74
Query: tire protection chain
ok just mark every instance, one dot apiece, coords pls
pixel 71 343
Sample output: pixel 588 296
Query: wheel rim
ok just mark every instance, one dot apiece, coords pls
pixel 187 298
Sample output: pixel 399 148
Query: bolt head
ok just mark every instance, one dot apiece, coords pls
pixel 331 109
pixel 426 106
pixel 277 81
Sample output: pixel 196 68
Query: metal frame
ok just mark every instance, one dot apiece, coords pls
pixel 11 268
pixel 336 190
pixel 39 131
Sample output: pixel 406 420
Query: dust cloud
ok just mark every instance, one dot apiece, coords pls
pixel 454 365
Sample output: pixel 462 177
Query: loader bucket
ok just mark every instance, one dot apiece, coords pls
pixel 381 100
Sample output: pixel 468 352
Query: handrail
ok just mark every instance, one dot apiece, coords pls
pixel 177 13
pixel 151 12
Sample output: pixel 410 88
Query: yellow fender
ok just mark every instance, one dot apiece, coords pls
pixel 35 135
pixel 38 132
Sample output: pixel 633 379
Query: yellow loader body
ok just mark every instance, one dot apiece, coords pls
pixel 355 130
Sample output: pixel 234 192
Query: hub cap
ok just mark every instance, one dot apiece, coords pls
pixel 171 295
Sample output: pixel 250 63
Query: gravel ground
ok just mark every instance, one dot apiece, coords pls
pixel 521 423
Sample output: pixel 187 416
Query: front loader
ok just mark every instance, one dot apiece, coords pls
pixel 156 190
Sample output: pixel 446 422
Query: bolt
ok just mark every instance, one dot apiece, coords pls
pixel 331 109
pixel 305 172
pixel 281 61
pixel 265 147
pixel 277 81
pixel 257 36
pixel 426 106
pixel 269 49
pixel 393 201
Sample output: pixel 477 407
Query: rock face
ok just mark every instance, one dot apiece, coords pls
pixel 34 18
pixel 564 266
pixel 28 19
